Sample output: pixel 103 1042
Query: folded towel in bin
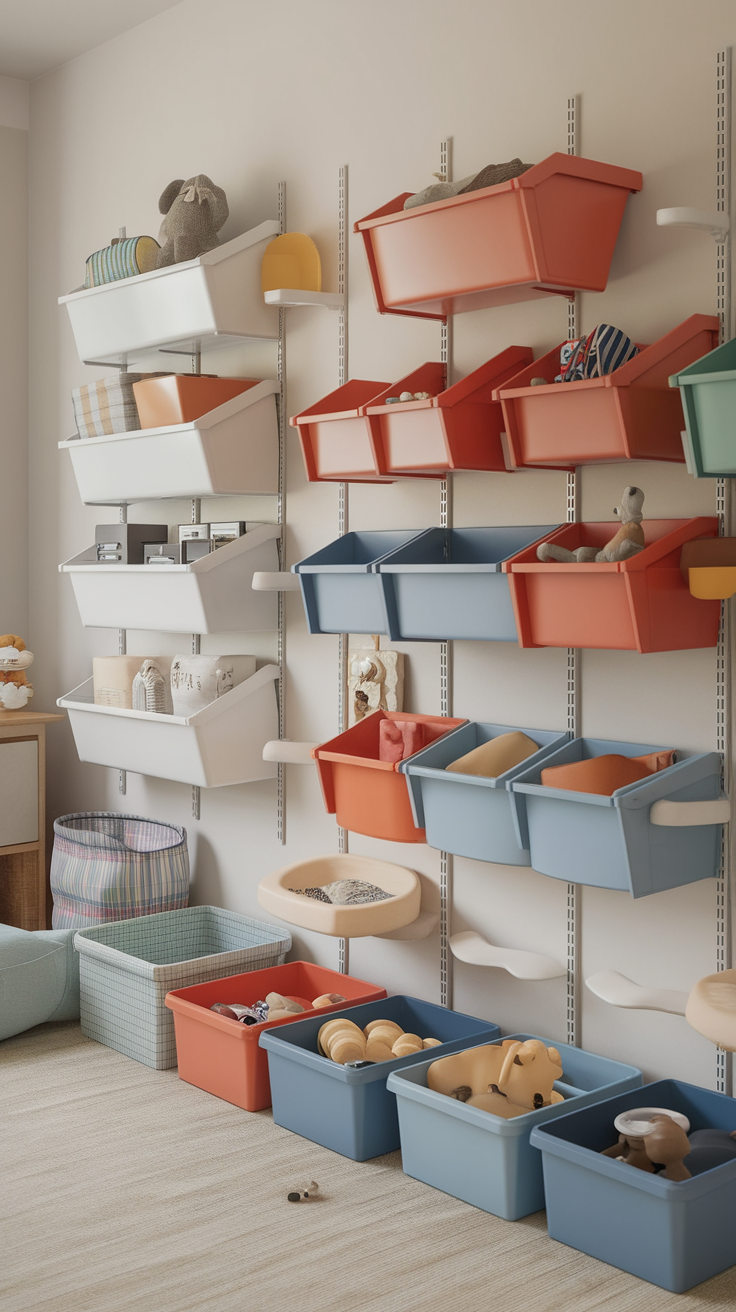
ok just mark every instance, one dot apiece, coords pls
pixel 398 739
pixel 605 774
pixel 495 757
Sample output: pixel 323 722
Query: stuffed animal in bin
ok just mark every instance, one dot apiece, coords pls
pixel 15 690
pixel 195 211
pixel 626 543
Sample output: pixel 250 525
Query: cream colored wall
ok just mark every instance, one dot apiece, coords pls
pixel 253 94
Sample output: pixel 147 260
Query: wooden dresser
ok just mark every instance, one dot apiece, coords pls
pixel 23 877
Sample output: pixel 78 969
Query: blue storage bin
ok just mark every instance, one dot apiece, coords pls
pixel 483 1159
pixel 340 590
pixel 463 813
pixel 351 1111
pixel 674 1234
pixel 611 842
pixel 708 392
pixel 449 583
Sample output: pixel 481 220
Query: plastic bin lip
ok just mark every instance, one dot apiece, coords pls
pixel 324 752
pixel 251 396
pixel 90 941
pixel 80 699
pixel 670 534
pixel 255 537
pixel 386 565
pixel 314 565
pixel 413 764
pixel 634 796
pixel 359 391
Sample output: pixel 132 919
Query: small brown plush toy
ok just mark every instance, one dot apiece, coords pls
pixel 195 211
pixel 626 543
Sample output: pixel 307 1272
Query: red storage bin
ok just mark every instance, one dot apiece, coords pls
pixel 370 796
pixel 222 1056
pixel 631 414
pixel 641 604
pixel 338 439
pixel 552 230
pixel 458 427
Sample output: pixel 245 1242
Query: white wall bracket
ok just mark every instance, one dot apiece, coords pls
pixel 620 991
pixel 292 297
pixel 424 925
pixel 476 951
pixel 715 222
pixel 678 815
pixel 287 752
pixel 275 581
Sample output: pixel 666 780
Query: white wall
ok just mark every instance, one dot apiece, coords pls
pixel 14 355
pixel 253 94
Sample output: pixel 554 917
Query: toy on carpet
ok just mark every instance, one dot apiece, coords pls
pixel 627 542
pixel 303 1191
pixel 382 1040
pixel 15 690
pixel 195 211
pixel 506 1079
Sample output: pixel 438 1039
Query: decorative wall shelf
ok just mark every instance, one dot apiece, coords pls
pixel 710 567
pixel 276 895
pixel 477 951
pixel 620 991
pixel 293 297
pixel 715 222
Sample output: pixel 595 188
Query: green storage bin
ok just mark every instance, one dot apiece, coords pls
pixel 708 390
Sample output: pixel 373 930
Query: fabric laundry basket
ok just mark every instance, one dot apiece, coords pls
pixel 107 866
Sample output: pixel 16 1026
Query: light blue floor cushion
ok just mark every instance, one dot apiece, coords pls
pixel 39 978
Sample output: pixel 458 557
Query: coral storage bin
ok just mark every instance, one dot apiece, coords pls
pixel 351 1111
pixel 481 1158
pixel 630 414
pixel 222 1056
pixel 181 398
pixel 449 583
pixel 340 589
pixel 466 814
pixel 338 438
pixel 370 796
pixel 551 230
pixel 126 969
pixel 672 1233
pixel 710 568
pixel 619 841
pixel 640 604
pixel 708 391
pixel 457 427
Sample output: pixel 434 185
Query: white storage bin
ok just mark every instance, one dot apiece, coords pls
pixel 219 745
pixel 232 450
pixel 218 295
pixel 212 595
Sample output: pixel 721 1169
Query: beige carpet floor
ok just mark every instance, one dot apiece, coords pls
pixel 125 1189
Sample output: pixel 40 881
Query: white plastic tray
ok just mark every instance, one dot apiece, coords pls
pixel 197 302
pixel 212 595
pixel 231 450
pixel 219 745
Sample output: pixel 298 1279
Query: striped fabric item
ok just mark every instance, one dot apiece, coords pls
pixel 124 259
pixel 107 867
pixel 107 406
pixel 604 350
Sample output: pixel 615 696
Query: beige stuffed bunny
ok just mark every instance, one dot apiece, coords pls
pixel 626 543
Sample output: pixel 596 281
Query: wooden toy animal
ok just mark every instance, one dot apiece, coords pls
pixel 507 1079
pixel 627 542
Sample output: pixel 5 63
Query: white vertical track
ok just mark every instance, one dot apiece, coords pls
pixel 122 648
pixel 572 1009
pixel 446 861
pixel 280 655
pixel 343 505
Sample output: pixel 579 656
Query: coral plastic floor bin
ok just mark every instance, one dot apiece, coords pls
pixel 367 795
pixel 467 814
pixel 551 230
pixel 222 1056
pixel 643 838
pixel 449 583
pixel 671 1233
pixel 127 968
pixel 351 1111
pixel 458 427
pixel 338 438
pixel 340 590
pixel 631 414
pixel 640 604
pixel 483 1159
pixel 708 391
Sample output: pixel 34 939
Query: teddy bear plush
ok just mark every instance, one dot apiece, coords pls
pixel 195 211
pixel 627 542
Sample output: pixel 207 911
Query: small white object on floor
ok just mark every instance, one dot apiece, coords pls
pixel 302 1191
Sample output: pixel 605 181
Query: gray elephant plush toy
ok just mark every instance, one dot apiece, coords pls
pixel 629 540
pixel 195 211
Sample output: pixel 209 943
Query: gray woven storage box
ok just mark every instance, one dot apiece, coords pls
pixel 127 967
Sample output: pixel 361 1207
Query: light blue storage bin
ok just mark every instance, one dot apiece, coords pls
pixel 449 583
pixel 340 590
pixel 708 392
pixel 673 1234
pixel 611 842
pixel 351 1111
pixel 466 814
pixel 483 1159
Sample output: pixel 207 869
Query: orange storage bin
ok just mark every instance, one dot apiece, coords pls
pixel 641 604
pixel 710 568
pixel 367 795
pixel 222 1056
pixel 338 439
pixel 458 427
pixel 182 398
pixel 631 414
pixel 552 230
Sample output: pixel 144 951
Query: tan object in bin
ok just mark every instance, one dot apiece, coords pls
pixel 496 756
pixel 507 1079
pixel 182 398
pixel 711 1008
pixel 332 1027
pixel 113 678
pixel 385 1024
pixel 345 1048
pixel 376 1050
pixel 604 774
pixel 276 895
pixel 431 1043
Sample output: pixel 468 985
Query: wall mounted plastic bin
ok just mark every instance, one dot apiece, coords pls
pixel 708 391
pixel 221 744
pixel 337 437
pixel 641 604
pixel 222 1056
pixel 212 595
pixel 213 300
pixel 467 814
pixel 551 230
pixel 631 414
pixel 230 451
pixel 673 1234
pixel 710 568
pixel 458 427
pixel 126 969
pixel 483 1159
pixel 277 893
pixel 340 589
pixel 449 583
pixel 370 796
pixel 352 1111
pixel 617 841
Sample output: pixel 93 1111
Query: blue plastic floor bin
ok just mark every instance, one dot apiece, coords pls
pixel 340 590
pixel 449 583
pixel 611 842
pixel 673 1234
pixel 467 814
pixel 483 1159
pixel 352 1111
pixel 708 393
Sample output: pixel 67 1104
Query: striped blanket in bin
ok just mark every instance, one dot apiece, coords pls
pixel 107 406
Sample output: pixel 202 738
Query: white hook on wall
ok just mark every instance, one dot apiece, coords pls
pixel 715 222
pixel 477 951
pixel 620 991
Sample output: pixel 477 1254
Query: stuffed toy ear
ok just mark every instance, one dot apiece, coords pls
pixel 169 195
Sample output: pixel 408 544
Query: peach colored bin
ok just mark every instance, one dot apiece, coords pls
pixel 337 437
pixel 182 398
pixel 275 895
